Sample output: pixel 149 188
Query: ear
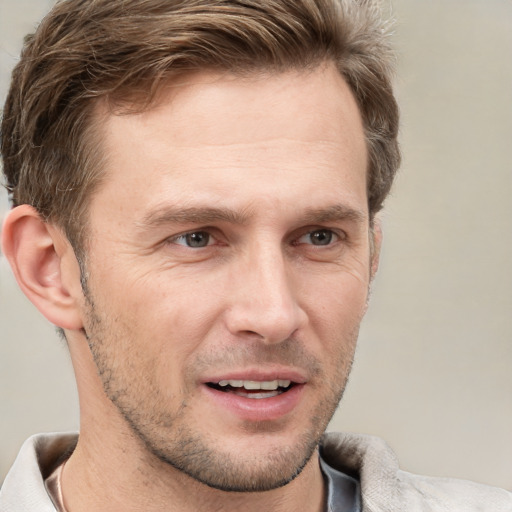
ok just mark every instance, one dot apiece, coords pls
pixel 375 244
pixel 44 265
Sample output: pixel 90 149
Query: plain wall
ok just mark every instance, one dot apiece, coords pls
pixel 433 371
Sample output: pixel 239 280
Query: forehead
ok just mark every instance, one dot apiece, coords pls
pixel 210 132
pixel 318 98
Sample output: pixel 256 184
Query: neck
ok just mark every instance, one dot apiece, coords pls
pixel 108 471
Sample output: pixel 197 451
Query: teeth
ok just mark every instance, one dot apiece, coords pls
pixel 252 384
pixel 268 385
pixel 261 394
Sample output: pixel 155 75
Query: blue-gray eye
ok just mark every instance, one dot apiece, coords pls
pixel 318 237
pixel 195 239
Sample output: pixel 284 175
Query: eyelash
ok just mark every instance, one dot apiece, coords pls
pixel 186 236
pixel 333 236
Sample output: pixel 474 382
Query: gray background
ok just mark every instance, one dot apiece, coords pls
pixel 433 372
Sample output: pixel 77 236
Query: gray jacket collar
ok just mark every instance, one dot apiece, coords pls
pixel 384 487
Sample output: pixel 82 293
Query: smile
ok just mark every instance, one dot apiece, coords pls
pixel 251 388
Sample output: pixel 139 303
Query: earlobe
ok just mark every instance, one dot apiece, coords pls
pixel 44 265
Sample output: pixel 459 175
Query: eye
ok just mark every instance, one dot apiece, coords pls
pixel 319 237
pixel 194 239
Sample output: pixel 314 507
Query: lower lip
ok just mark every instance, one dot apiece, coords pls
pixel 257 409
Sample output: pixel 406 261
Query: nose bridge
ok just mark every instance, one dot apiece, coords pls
pixel 266 304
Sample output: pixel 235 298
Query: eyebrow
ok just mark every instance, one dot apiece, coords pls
pixel 334 213
pixel 192 215
pixel 205 215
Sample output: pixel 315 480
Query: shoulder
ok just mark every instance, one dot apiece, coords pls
pixel 447 494
pixel 23 488
pixel 384 487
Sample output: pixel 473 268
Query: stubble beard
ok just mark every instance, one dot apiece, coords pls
pixel 166 437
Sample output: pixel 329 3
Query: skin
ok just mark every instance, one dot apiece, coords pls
pixel 265 176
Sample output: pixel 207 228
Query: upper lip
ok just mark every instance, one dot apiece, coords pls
pixel 259 375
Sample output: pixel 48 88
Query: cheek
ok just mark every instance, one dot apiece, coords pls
pixel 335 299
pixel 335 311
pixel 169 319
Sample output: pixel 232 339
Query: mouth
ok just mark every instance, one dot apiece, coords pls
pixel 254 395
pixel 252 388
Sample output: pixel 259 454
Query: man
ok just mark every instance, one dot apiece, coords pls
pixel 195 190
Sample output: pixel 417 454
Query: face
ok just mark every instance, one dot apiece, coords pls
pixel 229 267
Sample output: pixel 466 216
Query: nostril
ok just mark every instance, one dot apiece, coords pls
pixel 262 318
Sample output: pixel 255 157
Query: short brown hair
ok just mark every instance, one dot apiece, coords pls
pixel 85 50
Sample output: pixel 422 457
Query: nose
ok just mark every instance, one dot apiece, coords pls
pixel 264 302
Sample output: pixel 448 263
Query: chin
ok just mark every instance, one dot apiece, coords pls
pixel 242 470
